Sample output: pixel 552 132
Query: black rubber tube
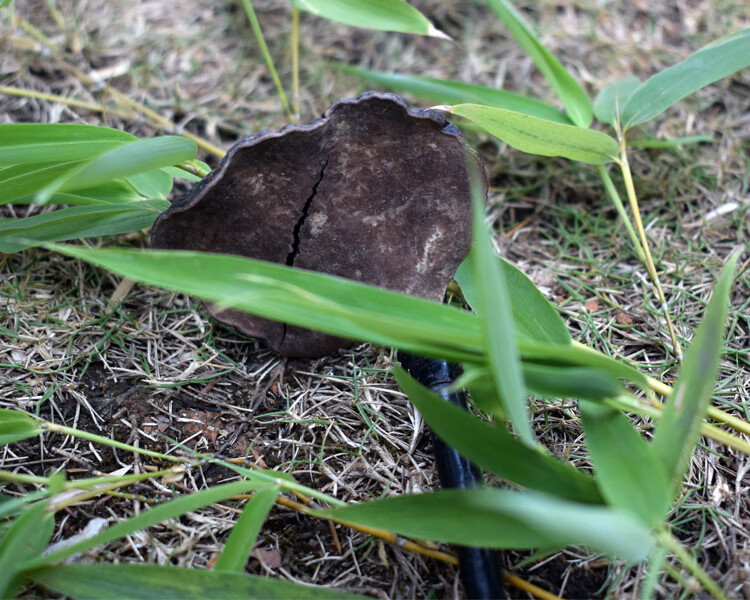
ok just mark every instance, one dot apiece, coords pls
pixel 480 567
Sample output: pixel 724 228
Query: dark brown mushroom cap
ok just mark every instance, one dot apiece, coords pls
pixel 375 191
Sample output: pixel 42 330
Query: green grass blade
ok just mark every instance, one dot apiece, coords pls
pixel 156 514
pixel 155 582
pixel 493 448
pixel 242 539
pixel 570 382
pixel 51 143
pixel 629 473
pixel 612 99
pixel 16 426
pixel 496 317
pixel 78 222
pixel 492 518
pixel 574 99
pixel 678 429
pixel 539 136
pixel 709 64
pixel 24 180
pixel 533 315
pixel 125 161
pixel 25 540
pixel 669 143
pixel 385 15
pixel 330 304
pixel 457 92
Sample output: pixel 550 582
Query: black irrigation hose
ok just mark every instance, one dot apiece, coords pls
pixel 480 568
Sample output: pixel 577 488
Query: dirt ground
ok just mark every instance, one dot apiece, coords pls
pixel 156 370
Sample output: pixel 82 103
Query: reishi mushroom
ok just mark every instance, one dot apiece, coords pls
pixel 375 191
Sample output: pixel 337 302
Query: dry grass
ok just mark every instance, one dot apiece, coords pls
pixel 156 368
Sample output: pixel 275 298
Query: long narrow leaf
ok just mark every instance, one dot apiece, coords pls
pixel 78 222
pixel 457 92
pixel 612 99
pixel 496 316
pixel 680 424
pixel 124 161
pixel 386 15
pixel 16 426
pixel 242 539
pixel 496 450
pixel 156 582
pixel 156 514
pixel 494 518
pixel 54 142
pixel 539 136
pixel 314 300
pixel 23 180
pixel 25 540
pixel 575 100
pixel 629 473
pixel 709 64
pixel 533 315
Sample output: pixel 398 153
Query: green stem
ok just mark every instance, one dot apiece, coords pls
pixel 617 201
pixel 295 62
pixel 21 478
pixel 253 18
pixel 671 543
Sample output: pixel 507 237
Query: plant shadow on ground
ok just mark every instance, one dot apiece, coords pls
pixel 157 368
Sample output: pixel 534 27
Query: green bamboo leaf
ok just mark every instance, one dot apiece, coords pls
pixel 156 514
pixel 576 103
pixel 24 180
pixel 53 143
pixel 539 136
pixel 78 222
pixel 629 473
pixel 16 426
pixel 323 302
pixel 457 92
pixel 125 161
pixel 492 518
pixel 152 185
pixel 156 582
pixel 711 63
pixel 495 449
pixel 385 15
pixel 612 99
pixel 570 382
pixel 242 539
pixel 496 318
pixel 566 356
pixel 679 427
pixel 533 315
pixel 25 540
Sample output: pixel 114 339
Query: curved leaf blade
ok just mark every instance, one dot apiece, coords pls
pixel 612 99
pixel 16 426
pixel 385 15
pixel 155 582
pixel 457 92
pixel 679 427
pixel 574 99
pixel 533 315
pixel 539 136
pixel 709 64
pixel 496 450
pixel 492 518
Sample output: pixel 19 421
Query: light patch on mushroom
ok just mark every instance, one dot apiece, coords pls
pixel 430 245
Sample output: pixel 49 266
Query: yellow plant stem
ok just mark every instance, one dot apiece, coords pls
pixel 91 106
pixel 295 62
pixel 615 197
pixel 632 404
pixel 671 543
pixel 633 200
pixel 666 390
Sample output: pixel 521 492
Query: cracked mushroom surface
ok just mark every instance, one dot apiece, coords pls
pixel 375 191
